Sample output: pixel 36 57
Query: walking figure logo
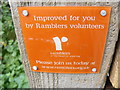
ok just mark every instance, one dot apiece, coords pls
pixel 58 42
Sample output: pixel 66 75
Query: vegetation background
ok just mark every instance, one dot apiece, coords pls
pixel 11 69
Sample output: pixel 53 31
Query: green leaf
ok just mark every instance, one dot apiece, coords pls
pixel 1 25
pixel 11 79
pixel 10 41
pixel 12 85
pixel 10 48
pixel 1 32
pixel 25 85
pixel 19 81
pixel 14 53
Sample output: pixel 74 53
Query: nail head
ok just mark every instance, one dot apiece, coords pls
pixel 35 67
pixel 94 69
pixel 103 12
pixel 25 13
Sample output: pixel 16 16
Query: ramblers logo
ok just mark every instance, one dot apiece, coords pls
pixel 58 42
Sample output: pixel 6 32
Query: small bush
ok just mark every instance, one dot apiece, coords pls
pixel 11 69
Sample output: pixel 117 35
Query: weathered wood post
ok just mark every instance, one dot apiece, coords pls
pixel 95 38
pixel 115 71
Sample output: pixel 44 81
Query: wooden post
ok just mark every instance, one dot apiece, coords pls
pixel 55 80
pixel 115 71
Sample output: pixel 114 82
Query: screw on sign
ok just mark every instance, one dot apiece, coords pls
pixel 35 67
pixel 25 13
pixel 94 69
pixel 103 13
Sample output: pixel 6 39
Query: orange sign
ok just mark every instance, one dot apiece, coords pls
pixel 65 39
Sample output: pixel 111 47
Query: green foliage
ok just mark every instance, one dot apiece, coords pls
pixel 11 69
